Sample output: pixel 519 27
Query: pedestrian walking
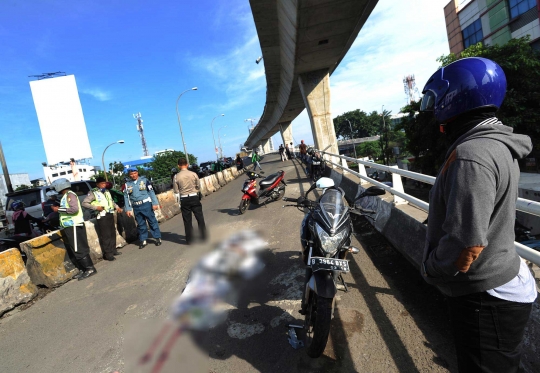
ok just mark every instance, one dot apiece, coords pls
pixel 187 189
pixel 255 158
pixel 72 222
pixel 469 253
pixel 100 201
pixel 140 199
pixel 302 148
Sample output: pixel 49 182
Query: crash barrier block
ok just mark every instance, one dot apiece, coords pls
pixel 16 287
pixel 215 182
pixel 234 172
pixel 204 189
pixel 209 185
pixel 93 241
pixel 220 178
pixel 169 205
pixel 48 262
pixel 228 173
pixel 402 226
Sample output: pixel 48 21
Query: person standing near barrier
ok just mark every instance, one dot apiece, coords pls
pixel 291 148
pixel 100 200
pixel 71 220
pixel 302 148
pixel 255 158
pixel 140 199
pixel 469 253
pixel 187 189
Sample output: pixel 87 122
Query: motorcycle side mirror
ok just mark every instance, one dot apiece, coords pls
pixel 372 191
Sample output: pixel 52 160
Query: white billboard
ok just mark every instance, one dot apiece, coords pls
pixel 60 119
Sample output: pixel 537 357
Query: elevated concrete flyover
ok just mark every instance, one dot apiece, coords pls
pixel 302 43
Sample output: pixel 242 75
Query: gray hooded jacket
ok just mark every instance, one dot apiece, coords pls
pixel 472 206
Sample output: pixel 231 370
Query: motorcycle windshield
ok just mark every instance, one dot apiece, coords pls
pixel 332 207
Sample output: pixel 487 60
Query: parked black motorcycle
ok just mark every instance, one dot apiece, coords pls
pixel 329 240
pixel 317 166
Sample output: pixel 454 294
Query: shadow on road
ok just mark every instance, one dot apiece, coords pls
pixel 173 237
pixel 421 301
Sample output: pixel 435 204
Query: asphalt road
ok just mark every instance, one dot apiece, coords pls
pixel 389 321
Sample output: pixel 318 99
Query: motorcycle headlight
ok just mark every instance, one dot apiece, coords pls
pixel 330 244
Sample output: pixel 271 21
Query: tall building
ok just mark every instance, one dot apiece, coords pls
pixel 492 22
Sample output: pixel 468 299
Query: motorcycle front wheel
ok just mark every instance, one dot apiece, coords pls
pixel 318 318
pixel 244 204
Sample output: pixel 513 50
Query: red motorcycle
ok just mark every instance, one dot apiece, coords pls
pixel 269 187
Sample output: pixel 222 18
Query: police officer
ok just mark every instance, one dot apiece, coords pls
pixel 71 219
pixel 187 189
pixel 100 200
pixel 140 199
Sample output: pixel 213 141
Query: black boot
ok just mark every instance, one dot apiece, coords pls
pixel 158 241
pixel 142 244
pixel 116 253
pixel 88 266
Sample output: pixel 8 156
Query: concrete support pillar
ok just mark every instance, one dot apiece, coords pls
pixel 315 89
pixel 266 146
pixel 286 132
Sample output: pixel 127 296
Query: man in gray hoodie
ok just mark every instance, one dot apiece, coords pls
pixel 469 253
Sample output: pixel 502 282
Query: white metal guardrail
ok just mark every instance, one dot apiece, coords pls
pixel 524 205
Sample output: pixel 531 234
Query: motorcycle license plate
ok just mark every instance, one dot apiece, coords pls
pixel 331 264
pixel 316 163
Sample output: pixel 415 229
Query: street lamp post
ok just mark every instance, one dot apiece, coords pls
pixel 103 157
pixel 212 125
pixel 352 135
pixel 219 140
pixel 180 124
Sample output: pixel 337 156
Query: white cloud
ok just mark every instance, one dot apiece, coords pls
pixel 98 94
pixel 235 71
pixel 399 38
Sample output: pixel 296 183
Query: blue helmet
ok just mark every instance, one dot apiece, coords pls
pixel 462 86
pixel 132 169
pixel 17 205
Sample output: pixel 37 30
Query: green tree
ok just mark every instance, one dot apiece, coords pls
pixel 362 124
pixel 162 163
pixel 384 131
pixel 369 149
pixel 23 187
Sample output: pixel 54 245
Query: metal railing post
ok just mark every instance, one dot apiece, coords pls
pixel 397 185
pixel 345 166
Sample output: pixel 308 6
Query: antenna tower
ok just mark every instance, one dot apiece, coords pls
pixel 409 84
pixel 138 116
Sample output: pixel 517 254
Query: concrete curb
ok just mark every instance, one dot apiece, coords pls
pixel 16 287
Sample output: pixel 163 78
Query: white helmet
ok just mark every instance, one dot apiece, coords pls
pixel 324 183
pixel 61 184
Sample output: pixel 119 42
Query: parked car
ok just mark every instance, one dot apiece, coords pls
pixel 34 199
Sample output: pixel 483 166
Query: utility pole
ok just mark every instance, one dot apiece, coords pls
pixel 138 116
pixel 5 169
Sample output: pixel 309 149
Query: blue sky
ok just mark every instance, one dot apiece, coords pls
pixel 138 56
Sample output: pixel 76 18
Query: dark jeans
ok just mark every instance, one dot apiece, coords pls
pixel 488 332
pixel 82 242
pixel 193 205
pixel 144 213
pixel 106 232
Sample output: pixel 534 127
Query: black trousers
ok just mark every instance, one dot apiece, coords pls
pixel 488 332
pixel 106 232
pixel 82 242
pixel 193 205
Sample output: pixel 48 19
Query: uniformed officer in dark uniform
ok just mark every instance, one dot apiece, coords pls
pixel 141 200
pixel 187 189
